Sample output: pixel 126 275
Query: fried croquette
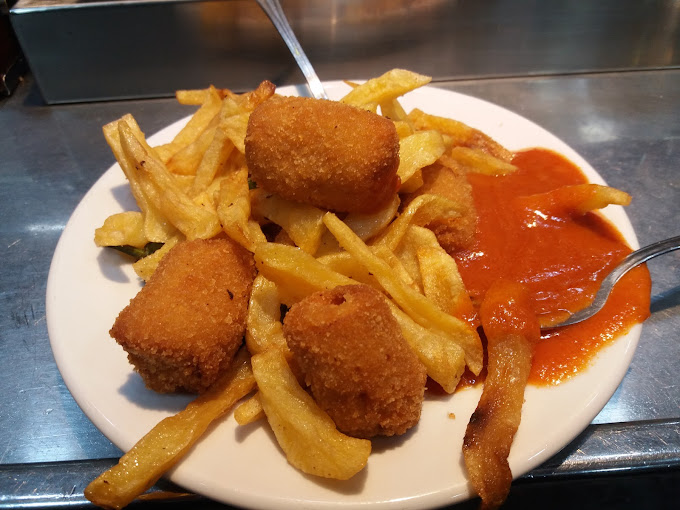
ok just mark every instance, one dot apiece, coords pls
pixel 355 360
pixel 183 328
pixel 452 233
pixel 328 154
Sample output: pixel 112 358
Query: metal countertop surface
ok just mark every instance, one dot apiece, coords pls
pixel 626 124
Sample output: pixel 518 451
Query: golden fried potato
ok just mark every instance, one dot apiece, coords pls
pixel 306 434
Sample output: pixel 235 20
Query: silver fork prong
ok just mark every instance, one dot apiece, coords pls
pixel 273 10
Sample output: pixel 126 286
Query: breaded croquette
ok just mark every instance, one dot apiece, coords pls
pixel 323 153
pixel 452 233
pixel 355 360
pixel 185 325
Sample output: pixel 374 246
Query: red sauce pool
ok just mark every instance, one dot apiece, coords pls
pixel 561 259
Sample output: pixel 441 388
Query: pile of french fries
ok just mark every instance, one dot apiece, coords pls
pixel 197 186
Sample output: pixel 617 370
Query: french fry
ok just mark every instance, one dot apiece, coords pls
pixel 121 229
pixel 156 227
pixel 196 97
pixel 577 199
pixel 235 129
pixel 364 225
pixel 264 329
pixel 249 411
pixel 420 211
pixel 442 282
pixel 385 88
pixel 164 445
pixel 460 133
pixel 233 210
pixel 394 111
pixel 443 358
pixel 195 127
pixel 304 431
pixel 187 159
pixel 146 266
pixel 343 263
pixel 212 162
pixel 296 273
pixel 160 188
pixel 302 222
pixel 415 152
pixel 493 425
pixel 418 307
pixel 478 161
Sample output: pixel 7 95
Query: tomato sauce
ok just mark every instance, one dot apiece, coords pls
pixel 559 257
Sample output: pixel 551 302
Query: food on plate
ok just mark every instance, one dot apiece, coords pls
pixel 560 259
pixel 161 448
pixel 183 328
pixel 453 232
pixel 355 360
pixel 323 153
pixel 307 435
pixel 511 329
pixel 359 249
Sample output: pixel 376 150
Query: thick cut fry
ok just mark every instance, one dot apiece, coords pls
pixel 235 128
pixel 394 111
pixel 186 160
pixel 156 227
pixel 570 200
pixel 296 273
pixel 122 229
pixel 233 209
pixel 460 133
pixel 442 282
pixel 212 162
pixel 421 211
pixel 306 434
pixel 164 445
pixel 249 411
pixel 264 330
pixel 385 88
pixel 407 251
pixel 417 151
pixel 145 267
pixel 195 127
pixel 443 358
pixel 366 226
pixel 343 263
pixel 302 222
pixel 511 328
pixel 159 186
pixel 421 309
pixel 478 161
pixel 196 97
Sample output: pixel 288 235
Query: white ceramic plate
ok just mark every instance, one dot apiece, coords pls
pixel 88 286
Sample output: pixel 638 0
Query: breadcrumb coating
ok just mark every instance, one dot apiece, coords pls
pixel 452 233
pixel 358 365
pixel 323 153
pixel 185 325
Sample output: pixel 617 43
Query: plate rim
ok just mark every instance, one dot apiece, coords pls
pixel 189 480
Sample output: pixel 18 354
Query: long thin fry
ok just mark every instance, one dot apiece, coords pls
pixel 422 310
pixel 511 328
pixel 164 445
pixel 304 431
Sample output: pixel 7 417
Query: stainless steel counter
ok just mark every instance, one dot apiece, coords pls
pixel 626 124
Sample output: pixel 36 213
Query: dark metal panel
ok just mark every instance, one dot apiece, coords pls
pixel 81 51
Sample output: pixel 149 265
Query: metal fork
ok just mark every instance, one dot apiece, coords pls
pixel 273 10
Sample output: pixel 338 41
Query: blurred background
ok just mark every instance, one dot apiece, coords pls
pixel 80 50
